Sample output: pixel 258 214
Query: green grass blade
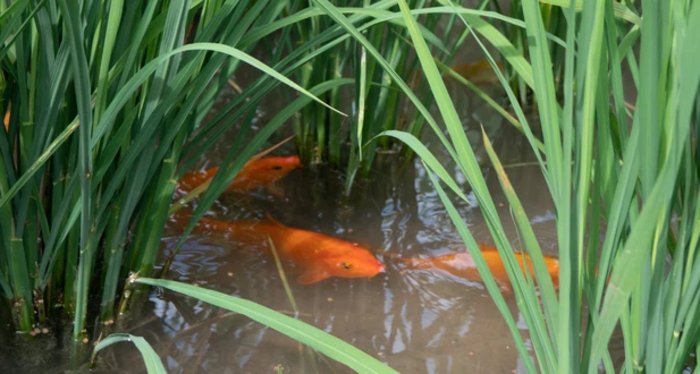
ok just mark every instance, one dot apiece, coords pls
pixel 484 271
pixel 144 73
pixel 621 10
pixel 361 99
pixel 637 248
pixel 81 77
pixel 15 7
pixel 470 168
pixel 333 12
pixel 427 157
pixel 507 49
pixel 150 357
pixel 542 274
pixel 29 173
pixel 295 329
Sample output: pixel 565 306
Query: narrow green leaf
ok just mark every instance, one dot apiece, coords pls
pixel 150 357
pixel 621 10
pixel 427 157
pixel 295 329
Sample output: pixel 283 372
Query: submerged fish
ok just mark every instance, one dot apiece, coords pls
pixel 462 265
pixel 479 72
pixel 256 173
pixel 318 256
pixel 6 120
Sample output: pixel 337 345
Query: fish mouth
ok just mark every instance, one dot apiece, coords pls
pixel 382 269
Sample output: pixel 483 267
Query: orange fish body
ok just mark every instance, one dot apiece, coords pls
pixel 257 173
pixel 462 265
pixel 6 120
pixel 317 256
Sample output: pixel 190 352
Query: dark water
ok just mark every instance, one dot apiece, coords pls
pixel 416 321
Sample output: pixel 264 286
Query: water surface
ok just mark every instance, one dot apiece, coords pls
pixel 417 321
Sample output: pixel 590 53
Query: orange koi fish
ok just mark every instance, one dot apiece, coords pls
pixel 6 120
pixel 256 173
pixel 318 256
pixel 478 73
pixel 462 265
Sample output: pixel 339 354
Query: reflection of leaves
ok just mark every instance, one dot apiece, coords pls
pixel 226 323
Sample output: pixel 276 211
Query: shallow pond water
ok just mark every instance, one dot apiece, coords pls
pixel 417 321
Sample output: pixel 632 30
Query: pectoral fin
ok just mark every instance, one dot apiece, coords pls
pixel 312 277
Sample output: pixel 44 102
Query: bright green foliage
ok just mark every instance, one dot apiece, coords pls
pixel 103 97
pixel 295 329
pixel 636 171
pixel 322 135
pixel 150 357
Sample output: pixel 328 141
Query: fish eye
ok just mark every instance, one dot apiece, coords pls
pixel 276 167
pixel 346 266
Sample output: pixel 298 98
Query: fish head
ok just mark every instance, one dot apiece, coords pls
pixel 356 262
pixel 277 166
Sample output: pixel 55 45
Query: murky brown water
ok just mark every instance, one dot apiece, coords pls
pixel 415 321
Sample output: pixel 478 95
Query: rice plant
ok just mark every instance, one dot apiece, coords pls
pixel 321 135
pixel 103 105
pixel 634 168
pixel 104 102
pixel 99 99
pixel 324 136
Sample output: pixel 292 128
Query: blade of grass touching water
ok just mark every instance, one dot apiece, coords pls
pixel 81 76
pixel 467 162
pixel 362 97
pixel 300 331
pixel 427 157
pixel 484 271
pixel 283 277
pixel 150 357
pixel 543 279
